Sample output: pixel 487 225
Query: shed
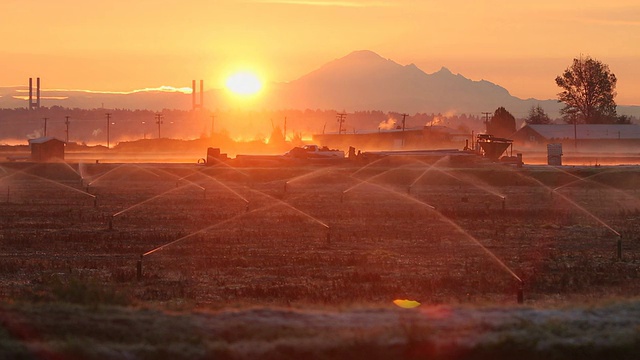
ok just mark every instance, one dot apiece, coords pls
pixel 593 135
pixel 46 149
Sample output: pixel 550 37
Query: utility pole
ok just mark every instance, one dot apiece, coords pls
pixel 404 118
pixel 575 132
pixel 285 129
pixel 66 122
pixel 159 122
pixel 108 123
pixel 486 120
pixel 45 126
pixel 341 117
pixel 213 121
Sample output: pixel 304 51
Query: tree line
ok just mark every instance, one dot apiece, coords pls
pixel 588 91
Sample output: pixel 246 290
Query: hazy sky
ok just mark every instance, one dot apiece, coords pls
pixel 122 45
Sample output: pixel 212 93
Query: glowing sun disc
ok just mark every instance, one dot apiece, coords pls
pixel 244 83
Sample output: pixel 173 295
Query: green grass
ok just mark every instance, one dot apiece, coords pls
pixel 65 330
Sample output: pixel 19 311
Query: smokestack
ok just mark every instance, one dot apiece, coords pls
pixel 201 94
pixel 30 93
pixel 38 93
pixel 193 95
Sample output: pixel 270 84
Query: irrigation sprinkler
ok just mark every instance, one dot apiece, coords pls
pixel 409 190
pixel 504 198
pixel 139 268
pixel 342 197
pixel 246 207
pixel 520 292
pixel 328 237
pixel 111 222
pixel 204 194
pixel 620 247
pixel 285 186
pixel 95 201
pixel 8 193
pixel 87 189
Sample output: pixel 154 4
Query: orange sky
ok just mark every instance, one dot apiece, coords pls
pixel 122 45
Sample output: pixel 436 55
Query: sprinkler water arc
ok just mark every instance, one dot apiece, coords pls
pixel 491 255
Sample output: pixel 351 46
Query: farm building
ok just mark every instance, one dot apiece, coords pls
pixel 427 137
pixel 583 136
pixel 46 148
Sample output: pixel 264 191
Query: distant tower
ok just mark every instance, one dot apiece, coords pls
pixel 195 105
pixel 34 105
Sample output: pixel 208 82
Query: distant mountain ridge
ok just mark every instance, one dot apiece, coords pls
pixel 363 80
pixel 359 81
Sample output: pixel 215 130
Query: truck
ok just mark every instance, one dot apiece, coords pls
pixel 314 152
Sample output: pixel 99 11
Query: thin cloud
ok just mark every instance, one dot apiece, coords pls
pixel 353 4
pixel 163 88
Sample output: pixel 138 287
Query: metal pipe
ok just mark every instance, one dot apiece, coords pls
pixel 139 269
pixel 620 247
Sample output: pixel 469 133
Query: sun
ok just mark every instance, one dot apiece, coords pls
pixel 244 83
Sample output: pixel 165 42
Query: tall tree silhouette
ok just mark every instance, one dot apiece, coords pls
pixel 588 90
pixel 502 123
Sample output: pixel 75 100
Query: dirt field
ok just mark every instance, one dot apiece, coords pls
pixel 186 261
pixel 334 236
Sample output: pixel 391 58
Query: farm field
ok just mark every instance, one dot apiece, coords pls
pixel 183 237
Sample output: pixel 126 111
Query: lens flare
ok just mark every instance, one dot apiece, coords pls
pixel 406 304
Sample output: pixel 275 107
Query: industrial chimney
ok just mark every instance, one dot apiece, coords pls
pixel 34 105
pixel 194 104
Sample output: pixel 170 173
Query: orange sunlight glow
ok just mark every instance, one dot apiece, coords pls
pixel 244 83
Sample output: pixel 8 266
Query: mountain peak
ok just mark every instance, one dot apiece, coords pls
pixel 366 55
pixel 444 71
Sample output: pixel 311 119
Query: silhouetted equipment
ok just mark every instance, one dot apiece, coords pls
pixel 215 157
pixel 554 154
pixel 46 148
pixel 45 125
pixel 194 104
pixel 34 105
pixel 493 147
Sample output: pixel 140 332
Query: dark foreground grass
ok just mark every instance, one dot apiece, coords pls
pixel 57 330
